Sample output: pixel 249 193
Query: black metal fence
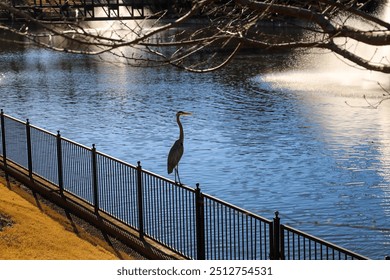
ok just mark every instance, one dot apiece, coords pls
pixel 193 224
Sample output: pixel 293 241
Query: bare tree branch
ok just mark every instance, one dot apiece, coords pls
pixel 205 35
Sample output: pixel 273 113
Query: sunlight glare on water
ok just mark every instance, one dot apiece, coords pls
pixel 337 82
pixel 332 74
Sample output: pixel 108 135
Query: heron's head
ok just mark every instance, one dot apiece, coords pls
pixel 181 113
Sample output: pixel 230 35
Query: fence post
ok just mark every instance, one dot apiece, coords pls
pixel 59 163
pixel 4 146
pixel 200 236
pixel 29 149
pixel 275 255
pixel 95 179
pixel 140 200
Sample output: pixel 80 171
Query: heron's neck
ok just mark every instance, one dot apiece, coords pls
pixel 181 137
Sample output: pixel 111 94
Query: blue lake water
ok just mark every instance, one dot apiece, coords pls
pixel 267 133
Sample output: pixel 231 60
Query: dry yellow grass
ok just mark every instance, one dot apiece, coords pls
pixel 34 235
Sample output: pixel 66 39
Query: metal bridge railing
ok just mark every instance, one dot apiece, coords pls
pixel 60 10
pixel 193 224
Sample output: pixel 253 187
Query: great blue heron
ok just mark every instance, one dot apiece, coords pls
pixel 177 149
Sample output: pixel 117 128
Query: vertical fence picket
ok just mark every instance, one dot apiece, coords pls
pixel 282 243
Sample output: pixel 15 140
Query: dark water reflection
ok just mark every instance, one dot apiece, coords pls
pixel 255 138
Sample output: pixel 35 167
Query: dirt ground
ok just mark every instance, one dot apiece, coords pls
pixel 31 230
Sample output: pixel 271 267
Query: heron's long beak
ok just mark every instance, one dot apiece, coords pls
pixel 186 113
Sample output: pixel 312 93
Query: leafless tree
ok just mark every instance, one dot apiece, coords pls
pixel 205 35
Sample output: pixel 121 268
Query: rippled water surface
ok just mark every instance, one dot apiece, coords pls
pixel 264 134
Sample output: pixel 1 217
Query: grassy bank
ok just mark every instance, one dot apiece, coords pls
pixel 31 230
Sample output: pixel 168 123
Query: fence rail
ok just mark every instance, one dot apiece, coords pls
pixel 189 222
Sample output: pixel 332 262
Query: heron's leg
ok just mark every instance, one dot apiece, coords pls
pixel 177 172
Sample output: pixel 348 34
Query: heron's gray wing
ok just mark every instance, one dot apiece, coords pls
pixel 174 155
